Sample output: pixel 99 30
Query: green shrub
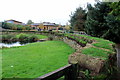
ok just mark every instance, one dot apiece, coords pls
pixel 7 38
pixel 33 38
pixel 14 39
pixel 83 42
pixel 50 38
pixel 23 38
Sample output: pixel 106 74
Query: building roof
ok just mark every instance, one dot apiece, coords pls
pixel 23 24
pixel 14 20
pixel 49 24
pixel 36 24
pixel 44 23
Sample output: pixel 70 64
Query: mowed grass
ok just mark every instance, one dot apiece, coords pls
pixel 34 59
pixel 95 52
pixel 38 35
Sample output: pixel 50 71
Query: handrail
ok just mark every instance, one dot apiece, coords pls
pixel 69 71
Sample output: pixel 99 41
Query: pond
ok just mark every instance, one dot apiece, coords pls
pixel 17 43
pixel 10 45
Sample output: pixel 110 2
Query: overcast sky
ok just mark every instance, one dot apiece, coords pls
pixel 57 11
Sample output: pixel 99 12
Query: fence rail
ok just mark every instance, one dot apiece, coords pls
pixel 69 72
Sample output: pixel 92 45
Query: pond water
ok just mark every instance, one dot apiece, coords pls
pixel 10 45
pixel 16 44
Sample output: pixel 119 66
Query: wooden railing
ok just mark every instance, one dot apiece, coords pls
pixel 69 72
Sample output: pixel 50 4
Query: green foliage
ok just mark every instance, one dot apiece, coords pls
pixel 9 38
pixel 103 20
pixel 34 59
pixel 15 26
pixel 23 38
pixel 96 24
pixel 115 9
pixel 77 19
pixel 33 38
pixel 29 22
pixel 100 77
pixel 81 41
pixel 113 33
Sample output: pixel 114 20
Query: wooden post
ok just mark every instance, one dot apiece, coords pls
pixel 71 73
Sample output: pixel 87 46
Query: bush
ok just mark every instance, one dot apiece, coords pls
pixel 50 38
pixel 7 38
pixel 23 38
pixel 14 39
pixel 33 38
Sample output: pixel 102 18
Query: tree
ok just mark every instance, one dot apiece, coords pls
pixel 29 22
pixel 78 19
pixel 112 20
pixel 103 20
pixel 96 24
pixel 67 27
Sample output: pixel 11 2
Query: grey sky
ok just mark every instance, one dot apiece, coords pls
pixel 57 11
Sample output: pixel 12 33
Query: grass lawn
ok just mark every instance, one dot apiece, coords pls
pixel 34 59
pixel 95 52
pixel 100 50
pixel 38 35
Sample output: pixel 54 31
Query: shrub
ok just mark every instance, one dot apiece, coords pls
pixel 50 38
pixel 14 39
pixel 23 38
pixel 33 38
pixel 7 38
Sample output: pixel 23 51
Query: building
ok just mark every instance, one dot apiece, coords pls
pixel 35 25
pixel 49 26
pixel 44 26
pixel 14 22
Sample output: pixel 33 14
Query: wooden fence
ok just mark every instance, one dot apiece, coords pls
pixel 69 72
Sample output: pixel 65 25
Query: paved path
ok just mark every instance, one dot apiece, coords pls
pixel 118 55
pixel 118 60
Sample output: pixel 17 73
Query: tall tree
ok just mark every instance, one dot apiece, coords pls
pixel 96 23
pixel 113 22
pixel 103 20
pixel 29 22
pixel 78 19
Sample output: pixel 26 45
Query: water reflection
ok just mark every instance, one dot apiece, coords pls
pixel 10 45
